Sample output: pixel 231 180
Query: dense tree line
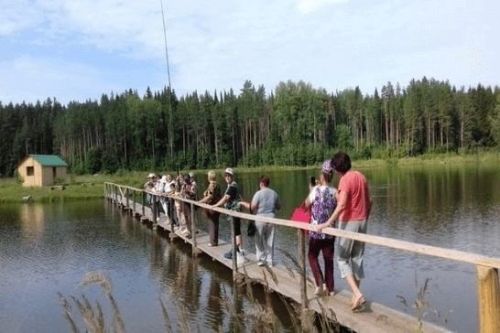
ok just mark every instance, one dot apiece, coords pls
pixel 295 124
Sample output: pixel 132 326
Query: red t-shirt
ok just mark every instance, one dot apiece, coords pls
pixel 354 184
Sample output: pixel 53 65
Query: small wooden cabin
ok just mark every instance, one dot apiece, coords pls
pixel 42 170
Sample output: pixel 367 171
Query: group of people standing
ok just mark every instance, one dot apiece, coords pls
pixel 168 188
pixel 347 208
pixel 265 202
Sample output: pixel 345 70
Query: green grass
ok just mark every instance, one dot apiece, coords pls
pixel 81 187
pixel 13 191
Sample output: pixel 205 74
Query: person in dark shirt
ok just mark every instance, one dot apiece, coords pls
pixel 231 200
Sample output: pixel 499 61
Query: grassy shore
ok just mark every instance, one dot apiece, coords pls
pixel 81 187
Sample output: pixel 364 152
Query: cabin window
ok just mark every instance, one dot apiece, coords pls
pixel 30 171
pixel 54 173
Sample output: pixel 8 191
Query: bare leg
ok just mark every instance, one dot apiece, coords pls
pixel 238 241
pixel 357 296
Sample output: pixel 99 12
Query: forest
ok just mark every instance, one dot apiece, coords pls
pixel 295 125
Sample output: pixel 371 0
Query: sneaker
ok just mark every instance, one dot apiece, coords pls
pixel 229 255
pixel 261 263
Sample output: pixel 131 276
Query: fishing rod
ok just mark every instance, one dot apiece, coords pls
pixel 166 44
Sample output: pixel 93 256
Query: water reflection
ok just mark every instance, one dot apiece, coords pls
pixel 47 249
pixel 214 304
pixel 32 217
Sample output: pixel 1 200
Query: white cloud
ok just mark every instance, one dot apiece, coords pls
pixel 109 44
pixel 309 6
pixel 16 16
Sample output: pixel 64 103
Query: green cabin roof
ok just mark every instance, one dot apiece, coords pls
pixel 50 160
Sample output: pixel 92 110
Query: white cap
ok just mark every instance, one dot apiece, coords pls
pixel 229 171
pixel 163 179
pixel 191 174
pixel 151 175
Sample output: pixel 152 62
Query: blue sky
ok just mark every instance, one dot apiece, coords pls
pixel 79 49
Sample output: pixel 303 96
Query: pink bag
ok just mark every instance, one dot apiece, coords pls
pixel 301 214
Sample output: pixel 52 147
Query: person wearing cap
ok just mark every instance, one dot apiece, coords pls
pixel 321 200
pixel 194 185
pixel 352 212
pixel 150 186
pixel 231 200
pixel 187 192
pixel 179 205
pixel 265 202
pixel 150 183
pixel 212 195
pixel 165 190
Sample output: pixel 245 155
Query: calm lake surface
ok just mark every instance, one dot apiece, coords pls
pixel 47 249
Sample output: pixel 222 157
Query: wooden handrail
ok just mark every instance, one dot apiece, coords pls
pixel 428 250
pixel 487 267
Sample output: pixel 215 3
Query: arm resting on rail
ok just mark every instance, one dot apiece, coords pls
pixel 342 199
pixel 222 201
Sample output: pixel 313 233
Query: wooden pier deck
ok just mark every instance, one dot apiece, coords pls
pixel 291 283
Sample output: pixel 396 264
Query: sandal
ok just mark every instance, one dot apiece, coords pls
pixel 358 305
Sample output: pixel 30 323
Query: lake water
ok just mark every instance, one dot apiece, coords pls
pixel 47 249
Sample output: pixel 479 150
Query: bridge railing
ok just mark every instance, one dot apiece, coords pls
pixel 488 284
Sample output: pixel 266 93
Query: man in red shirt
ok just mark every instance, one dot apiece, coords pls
pixel 352 211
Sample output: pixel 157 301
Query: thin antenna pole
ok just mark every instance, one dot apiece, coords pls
pixel 166 45
pixel 170 118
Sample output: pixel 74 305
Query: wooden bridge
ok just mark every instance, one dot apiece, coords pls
pixel 293 282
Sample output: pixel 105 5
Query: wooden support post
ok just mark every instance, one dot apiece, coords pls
pixel 127 204
pixel 135 202
pixel 171 212
pixel 143 203
pixel 302 262
pixel 233 250
pixel 193 231
pixel 154 208
pixel 488 295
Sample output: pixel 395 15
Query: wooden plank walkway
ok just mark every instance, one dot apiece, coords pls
pixel 283 280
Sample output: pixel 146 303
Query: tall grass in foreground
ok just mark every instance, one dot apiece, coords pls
pixel 256 317
pixel 421 305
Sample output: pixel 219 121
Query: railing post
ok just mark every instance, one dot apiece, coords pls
pixel 127 204
pixel 488 295
pixel 233 250
pixel 155 211
pixel 302 262
pixel 193 230
pixel 135 201
pixel 171 213
pixel 143 203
